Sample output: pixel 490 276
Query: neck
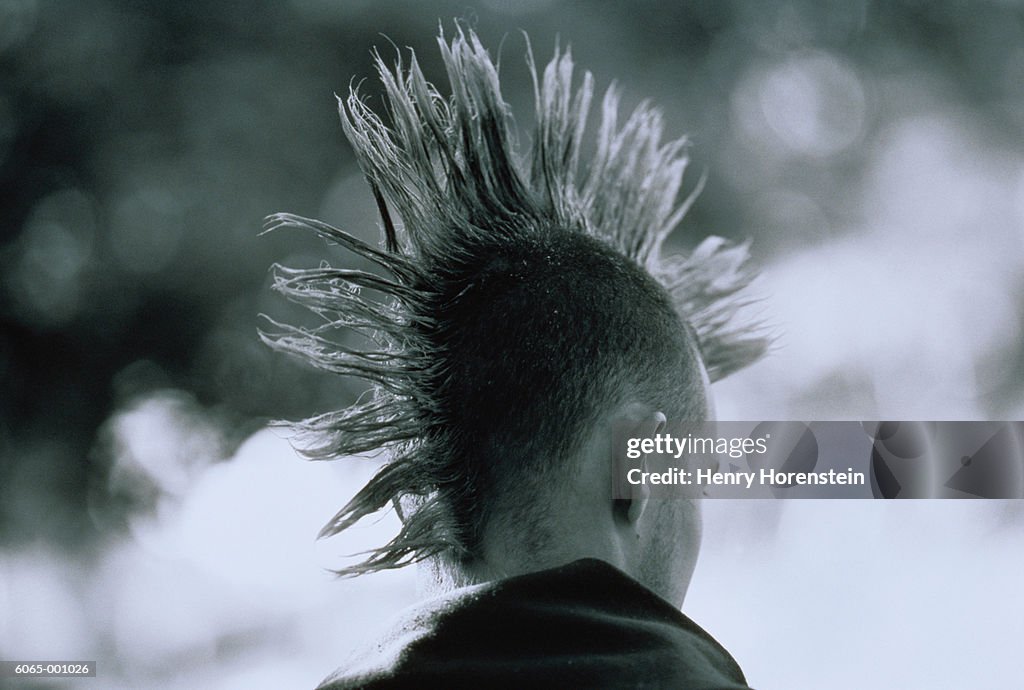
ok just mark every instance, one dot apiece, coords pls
pixel 508 553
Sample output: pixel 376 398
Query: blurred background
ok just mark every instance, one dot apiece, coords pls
pixel 149 520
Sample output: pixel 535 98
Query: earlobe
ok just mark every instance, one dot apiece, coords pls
pixel 638 504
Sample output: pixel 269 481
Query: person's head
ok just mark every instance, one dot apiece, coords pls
pixel 526 306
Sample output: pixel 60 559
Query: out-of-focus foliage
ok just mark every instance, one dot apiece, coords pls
pixel 872 150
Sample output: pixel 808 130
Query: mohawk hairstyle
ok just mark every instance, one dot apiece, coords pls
pixel 464 212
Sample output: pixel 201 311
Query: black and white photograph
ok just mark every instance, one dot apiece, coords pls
pixel 511 344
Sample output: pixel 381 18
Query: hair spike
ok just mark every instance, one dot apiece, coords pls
pixel 446 174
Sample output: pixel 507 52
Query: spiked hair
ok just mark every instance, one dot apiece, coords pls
pixel 477 232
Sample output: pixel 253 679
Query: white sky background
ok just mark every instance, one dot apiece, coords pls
pixel 864 594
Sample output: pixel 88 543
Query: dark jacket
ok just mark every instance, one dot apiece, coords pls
pixel 582 625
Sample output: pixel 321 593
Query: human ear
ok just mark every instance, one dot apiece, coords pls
pixel 647 424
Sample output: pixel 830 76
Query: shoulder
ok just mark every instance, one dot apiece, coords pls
pixel 585 624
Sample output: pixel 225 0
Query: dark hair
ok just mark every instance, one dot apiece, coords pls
pixel 525 295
